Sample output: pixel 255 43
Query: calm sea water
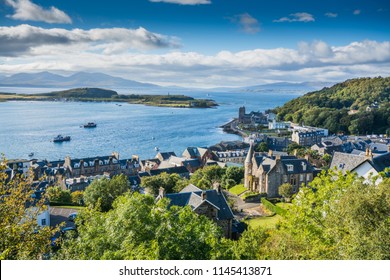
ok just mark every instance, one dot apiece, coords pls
pixel 27 127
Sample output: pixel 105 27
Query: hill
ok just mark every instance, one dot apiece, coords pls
pixel 80 79
pixel 356 106
pixel 82 93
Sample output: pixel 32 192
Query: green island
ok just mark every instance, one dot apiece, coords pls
pixel 104 95
pixel 356 106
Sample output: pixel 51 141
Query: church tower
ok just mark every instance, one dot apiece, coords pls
pixel 248 168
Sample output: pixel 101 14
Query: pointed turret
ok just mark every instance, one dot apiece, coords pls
pixel 248 168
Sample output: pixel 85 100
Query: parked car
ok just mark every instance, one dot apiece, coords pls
pixel 64 233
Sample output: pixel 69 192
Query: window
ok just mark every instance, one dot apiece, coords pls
pixel 290 167
pixel 285 178
pixel 301 177
pixel 43 222
pixel 308 177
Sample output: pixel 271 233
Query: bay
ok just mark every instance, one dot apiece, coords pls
pixel 29 126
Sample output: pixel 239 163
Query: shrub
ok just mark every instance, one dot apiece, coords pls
pixel 274 208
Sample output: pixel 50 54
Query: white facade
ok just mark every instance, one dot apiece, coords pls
pixel 278 125
pixel 366 171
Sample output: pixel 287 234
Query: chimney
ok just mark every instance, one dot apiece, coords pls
pixel 367 152
pixel 277 158
pixel 161 192
pixel 217 187
pixel 116 155
pixel 270 153
pixel 204 195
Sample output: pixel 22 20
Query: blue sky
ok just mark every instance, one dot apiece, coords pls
pixel 200 43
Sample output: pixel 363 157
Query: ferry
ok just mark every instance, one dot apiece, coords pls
pixel 90 125
pixel 60 138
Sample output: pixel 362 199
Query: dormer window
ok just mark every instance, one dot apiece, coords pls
pixel 303 166
pixel 290 167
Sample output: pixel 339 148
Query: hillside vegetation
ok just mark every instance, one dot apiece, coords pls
pixel 357 106
pixel 106 95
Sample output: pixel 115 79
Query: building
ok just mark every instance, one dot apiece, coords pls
pixel 308 136
pixel 278 125
pixel 253 118
pixel 366 166
pixel 264 173
pixel 230 156
pixel 211 203
pixel 202 154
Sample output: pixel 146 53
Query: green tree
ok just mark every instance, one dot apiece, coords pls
pixel 77 198
pixel 152 184
pixel 286 191
pixel 336 217
pixel 101 193
pixel 21 238
pixel 262 147
pixel 206 177
pixel 57 194
pixel 234 173
pixel 139 228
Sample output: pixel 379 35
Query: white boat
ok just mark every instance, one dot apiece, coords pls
pixel 156 149
pixel 60 138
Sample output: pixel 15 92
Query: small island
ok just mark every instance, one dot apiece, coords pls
pixel 105 95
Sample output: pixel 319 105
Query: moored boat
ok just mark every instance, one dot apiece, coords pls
pixel 60 138
pixel 90 125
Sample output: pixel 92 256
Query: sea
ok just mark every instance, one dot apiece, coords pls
pixel 29 126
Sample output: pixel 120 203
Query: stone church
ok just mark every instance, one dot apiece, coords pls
pixel 264 173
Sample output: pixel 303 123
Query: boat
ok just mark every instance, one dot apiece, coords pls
pixel 90 125
pixel 60 138
pixel 31 154
pixel 156 149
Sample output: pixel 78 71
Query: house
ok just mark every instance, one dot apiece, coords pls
pixel 278 125
pixel 149 164
pixel 366 166
pixel 308 136
pixel 253 118
pixel 278 143
pixel 264 173
pixel 180 170
pixel 211 203
pixel 230 156
pixel 163 156
pixel 202 154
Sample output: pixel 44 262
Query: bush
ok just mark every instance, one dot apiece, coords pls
pixel 57 194
pixel 274 208
pixel 251 196
pixel 77 198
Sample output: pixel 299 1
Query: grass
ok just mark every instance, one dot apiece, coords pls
pixel 237 190
pixel 284 205
pixel 70 207
pixel 264 222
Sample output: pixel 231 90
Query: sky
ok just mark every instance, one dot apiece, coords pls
pixel 198 43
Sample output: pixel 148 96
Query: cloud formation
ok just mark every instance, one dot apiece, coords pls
pixel 26 10
pixel 302 17
pixel 247 23
pixel 184 2
pixel 331 15
pixel 24 39
pixel 310 61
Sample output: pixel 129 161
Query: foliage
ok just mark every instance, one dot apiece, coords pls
pixel 249 195
pixel 286 190
pixel 152 184
pixel 262 147
pixel 57 194
pixel 329 107
pixel 337 217
pixel 21 238
pixel 101 193
pixel 233 176
pixel 139 228
pixel 272 207
pixel 292 147
pixel 205 178
pixel 77 198
pixel 238 189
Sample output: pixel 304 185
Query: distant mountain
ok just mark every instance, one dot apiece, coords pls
pixel 305 86
pixel 81 79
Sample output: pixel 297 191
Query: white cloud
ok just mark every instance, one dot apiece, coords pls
pixel 302 17
pixel 26 10
pixel 24 39
pixel 247 23
pixel 315 61
pixel 184 2
pixel 331 15
pixel 357 12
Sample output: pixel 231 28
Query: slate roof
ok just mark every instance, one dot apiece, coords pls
pixel 166 155
pixel 170 170
pixel 298 165
pixel 346 162
pixel 381 162
pixel 192 196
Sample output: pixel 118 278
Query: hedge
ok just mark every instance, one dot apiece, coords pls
pixel 272 207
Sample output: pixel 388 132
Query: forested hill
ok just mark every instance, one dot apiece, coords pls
pixel 357 106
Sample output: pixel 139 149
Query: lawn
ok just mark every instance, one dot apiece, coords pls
pixel 264 222
pixel 237 190
pixel 70 207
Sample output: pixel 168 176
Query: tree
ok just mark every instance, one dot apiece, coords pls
pixel 262 147
pixel 77 198
pixel 57 194
pixel 234 173
pixel 286 190
pixel 101 193
pixel 138 227
pixel 206 177
pixel 21 238
pixel 336 217
pixel 152 184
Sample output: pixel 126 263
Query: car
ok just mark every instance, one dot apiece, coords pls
pixel 64 233
pixel 72 217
